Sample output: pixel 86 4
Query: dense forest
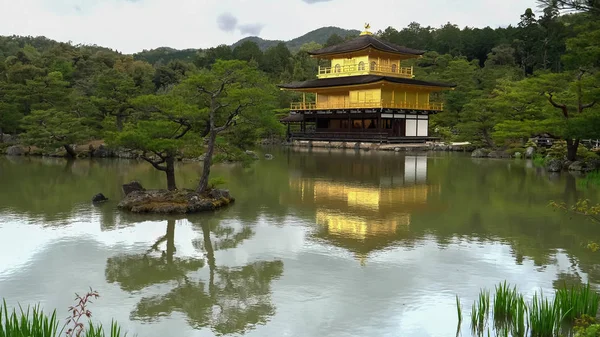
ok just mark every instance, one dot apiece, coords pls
pixel 540 76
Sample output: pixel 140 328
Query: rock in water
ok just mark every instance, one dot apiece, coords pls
pixel 99 198
pixel 14 150
pixel 132 187
pixel 554 165
pixel 498 154
pixel 219 194
pixel 268 156
pixel 480 153
pixel 577 166
pixel 100 152
pixel 529 152
pixel 252 154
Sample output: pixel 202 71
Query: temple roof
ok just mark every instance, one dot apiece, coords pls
pixel 361 79
pixel 363 42
pixel 292 118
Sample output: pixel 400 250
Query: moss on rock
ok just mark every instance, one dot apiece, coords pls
pixel 179 201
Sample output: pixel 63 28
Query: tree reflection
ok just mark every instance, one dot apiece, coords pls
pixel 135 272
pixel 232 300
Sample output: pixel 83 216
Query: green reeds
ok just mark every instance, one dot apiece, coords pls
pixel 504 302
pixel 544 317
pixel 519 324
pixel 460 315
pixel 98 330
pixel 480 313
pixel 29 323
pixel 459 310
pixel 35 323
pixel 576 302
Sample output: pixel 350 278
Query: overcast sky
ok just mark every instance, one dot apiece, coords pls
pixel 132 25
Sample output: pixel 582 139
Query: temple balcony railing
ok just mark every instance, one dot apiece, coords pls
pixel 307 106
pixel 364 69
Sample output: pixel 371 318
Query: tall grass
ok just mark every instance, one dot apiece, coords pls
pixel 460 315
pixel 33 322
pixel 576 302
pixel 29 323
pixel 504 301
pixel 480 313
pixel 542 317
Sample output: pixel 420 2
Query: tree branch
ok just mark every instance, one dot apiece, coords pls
pixel 188 127
pixel 156 164
pixel 563 107
pixel 232 115
pixel 586 106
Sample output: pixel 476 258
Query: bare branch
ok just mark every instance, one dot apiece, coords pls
pixel 586 106
pixel 232 116
pixel 188 127
pixel 156 164
pixel 563 107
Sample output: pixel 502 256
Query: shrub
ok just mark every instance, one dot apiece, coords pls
pixel 515 150
pixel 590 331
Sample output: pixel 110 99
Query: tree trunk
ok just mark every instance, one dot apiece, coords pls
pixel 487 138
pixel 170 240
pixel 1 136
pixel 120 123
pixel 170 172
pixel 70 151
pixel 572 145
pixel 210 256
pixel 202 186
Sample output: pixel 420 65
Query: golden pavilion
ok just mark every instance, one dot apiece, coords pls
pixel 365 95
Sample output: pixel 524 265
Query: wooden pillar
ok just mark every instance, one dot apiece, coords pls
pixel 304 100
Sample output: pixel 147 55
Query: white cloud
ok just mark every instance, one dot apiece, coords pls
pixel 133 25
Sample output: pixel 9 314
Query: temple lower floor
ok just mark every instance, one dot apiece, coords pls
pixel 380 126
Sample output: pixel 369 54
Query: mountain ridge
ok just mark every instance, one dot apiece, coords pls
pixel 320 36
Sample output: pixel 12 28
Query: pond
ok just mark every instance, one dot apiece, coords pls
pixel 318 243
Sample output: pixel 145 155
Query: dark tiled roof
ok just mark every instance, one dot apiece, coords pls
pixel 366 41
pixel 362 79
pixel 292 118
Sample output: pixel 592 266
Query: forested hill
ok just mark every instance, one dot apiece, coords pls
pixel 541 75
pixel 319 36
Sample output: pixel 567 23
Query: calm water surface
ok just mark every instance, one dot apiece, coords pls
pixel 318 243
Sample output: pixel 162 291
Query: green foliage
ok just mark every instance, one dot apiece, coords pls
pixel 558 149
pixel 215 182
pixel 539 160
pixel 590 331
pixel 50 129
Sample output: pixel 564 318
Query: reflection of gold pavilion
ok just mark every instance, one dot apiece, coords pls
pixel 365 217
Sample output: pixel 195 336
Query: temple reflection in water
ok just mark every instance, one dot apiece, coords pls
pixel 363 207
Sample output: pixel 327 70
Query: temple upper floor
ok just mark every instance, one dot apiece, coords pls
pixel 366 55
pixel 371 64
